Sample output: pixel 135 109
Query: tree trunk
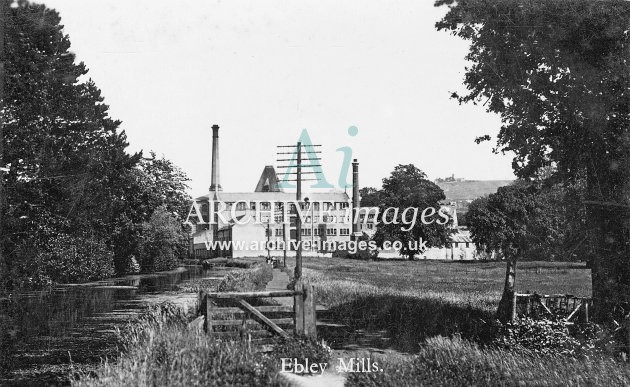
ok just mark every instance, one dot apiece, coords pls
pixel 609 218
pixel 506 307
pixel 610 267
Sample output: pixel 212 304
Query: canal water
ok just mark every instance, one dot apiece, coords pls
pixel 71 328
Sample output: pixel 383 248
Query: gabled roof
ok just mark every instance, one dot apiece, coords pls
pixel 268 181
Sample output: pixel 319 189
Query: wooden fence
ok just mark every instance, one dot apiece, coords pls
pixel 563 306
pixel 232 315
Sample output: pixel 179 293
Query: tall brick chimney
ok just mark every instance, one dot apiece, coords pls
pixel 215 184
pixel 355 199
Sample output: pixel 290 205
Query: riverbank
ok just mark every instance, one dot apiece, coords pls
pixel 165 348
pixel 70 329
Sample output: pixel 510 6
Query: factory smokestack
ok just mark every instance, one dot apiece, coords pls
pixel 355 199
pixel 215 184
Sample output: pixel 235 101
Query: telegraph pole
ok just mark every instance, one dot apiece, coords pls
pixel 298 195
pixel 298 220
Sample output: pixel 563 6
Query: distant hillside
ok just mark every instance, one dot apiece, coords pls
pixel 470 189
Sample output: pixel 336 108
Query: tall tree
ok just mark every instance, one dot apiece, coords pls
pixel 66 156
pixel 407 188
pixel 558 74
pixel 70 178
pixel 165 185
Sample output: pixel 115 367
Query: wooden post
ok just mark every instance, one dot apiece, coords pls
pixel 310 319
pixel 285 229
pixel 528 308
pixel 201 310
pixel 298 308
pixel 585 310
pixel 207 324
pixel 514 314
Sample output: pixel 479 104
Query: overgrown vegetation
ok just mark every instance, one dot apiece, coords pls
pixel 161 242
pixel 247 280
pixel 76 204
pixel 164 349
pixel 554 337
pixel 455 362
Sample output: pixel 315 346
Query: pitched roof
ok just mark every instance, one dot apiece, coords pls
pixel 268 181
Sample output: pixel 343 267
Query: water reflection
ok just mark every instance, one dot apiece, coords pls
pixel 50 327
pixel 56 311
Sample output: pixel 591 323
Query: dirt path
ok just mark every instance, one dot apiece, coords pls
pixel 329 378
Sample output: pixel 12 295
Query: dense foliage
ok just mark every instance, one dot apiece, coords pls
pixel 524 221
pixel 161 241
pixel 75 200
pixel 408 188
pixel 557 72
pixel 370 197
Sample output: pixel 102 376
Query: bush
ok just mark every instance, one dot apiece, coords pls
pixel 162 242
pixel 247 280
pixel 540 336
pixel 62 258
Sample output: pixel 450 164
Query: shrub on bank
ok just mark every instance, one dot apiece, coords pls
pixel 540 336
pixel 247 280
pixel 61 258
pixel 162 243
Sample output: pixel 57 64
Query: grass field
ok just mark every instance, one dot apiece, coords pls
pixel 405 302
pixel 464 278
pixel 472 283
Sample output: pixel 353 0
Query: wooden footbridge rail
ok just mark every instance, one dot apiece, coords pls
pixel 303 317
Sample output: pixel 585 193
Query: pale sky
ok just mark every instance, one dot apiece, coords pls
pixel 265 70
